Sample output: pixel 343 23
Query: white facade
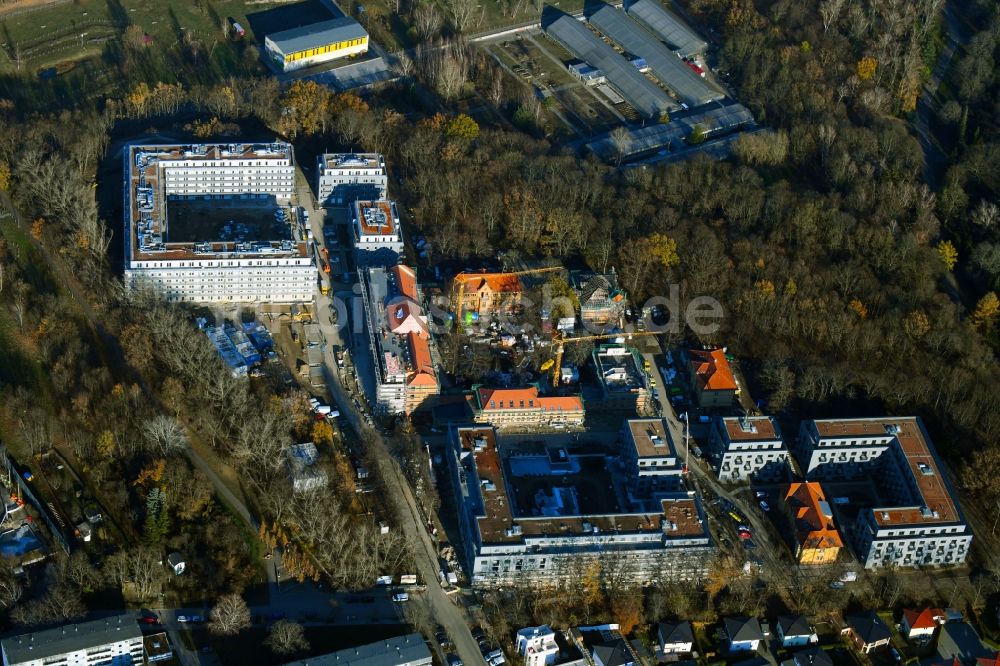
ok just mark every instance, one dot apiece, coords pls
pixel 227 269
pixel 920 523
pixel 748 448
pixel 377 234
pixel 538 646
pixel 343 178
pixel 228 280
pixel 97 643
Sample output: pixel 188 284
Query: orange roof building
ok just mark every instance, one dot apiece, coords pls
pixel 713 379
pixel 487 294
pixel 405 377
pixel 817 540
pixel 523 409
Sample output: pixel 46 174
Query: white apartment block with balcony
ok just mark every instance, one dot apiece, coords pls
pixel 917 521
pixel 343 178
pixel 236 261
pixel 649 454
pixel 114 640
pixel 748 447
pixel 538 646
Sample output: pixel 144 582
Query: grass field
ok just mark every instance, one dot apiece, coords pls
pixel 65 30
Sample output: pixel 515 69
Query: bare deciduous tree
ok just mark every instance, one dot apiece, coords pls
pixel 229 616
pixel 164 435
pixel 286 637
pixel 427 20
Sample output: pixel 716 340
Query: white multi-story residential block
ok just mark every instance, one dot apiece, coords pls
pixel 516 524
pixel 538 646
pixel 343 178
pixel 649 454
pixel 748 447
pixel 114 640
pixel 378 238
pixel 213 223
pixel 917 521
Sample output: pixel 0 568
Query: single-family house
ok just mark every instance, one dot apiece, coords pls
pixel 866 631
pixel 917 623
pixel 676 638
pixel 712 377
pixel 960 643
pixel 795 630
pixel 813 656
pixel 537 645
pixel 744 633
pixel 612 653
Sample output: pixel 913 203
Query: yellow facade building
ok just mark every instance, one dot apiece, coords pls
pixel 316 43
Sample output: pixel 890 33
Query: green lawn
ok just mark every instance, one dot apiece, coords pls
pixel 60 28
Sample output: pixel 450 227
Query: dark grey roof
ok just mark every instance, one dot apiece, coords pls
pixel 317 34
pixel 644 95
pixel 714 119
pixel 408 650
pixel 613 653
pixel 814 656
pixel 794 625
pixel 959 640
pixel 667 26
pixel 743 629
pixel 670 70
pixel 869 627
pixel 676 632
pixel 70 638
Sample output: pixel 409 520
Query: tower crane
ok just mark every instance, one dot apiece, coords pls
pixel 560 341
pixel 458 290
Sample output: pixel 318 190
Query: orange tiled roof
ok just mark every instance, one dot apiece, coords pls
pixel 497 282
pixel 813 529
pixel 712 370
pixel 989 661
pixel 492 399
pixel 420 352
pixel 406 280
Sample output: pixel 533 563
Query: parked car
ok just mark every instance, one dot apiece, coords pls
pixel 837 585
pixel 442 637
pixel 749 544
pixel 745 534
pixel 400 597
pixel 453 659
pixel 760 494
pixel 764 505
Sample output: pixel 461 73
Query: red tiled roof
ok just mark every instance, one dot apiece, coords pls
pixel 492 399
pixel 989 661
pixel 922 619
pixel 406 280
pixel 420 352
pixel 813 529
pixel 712 370
pixel 497 282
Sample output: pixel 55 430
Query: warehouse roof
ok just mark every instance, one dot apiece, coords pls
pixel 714 119
pixel 409 649
pixel 667 26
pixel 317 34
pixel 47 643
pixel 670 70
pixel 648 99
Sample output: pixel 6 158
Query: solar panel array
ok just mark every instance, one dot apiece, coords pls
pixel 667 26
pixel 714 120
pixel 666 66
pixel 641 93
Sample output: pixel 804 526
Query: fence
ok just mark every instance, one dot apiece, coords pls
pixel 54 529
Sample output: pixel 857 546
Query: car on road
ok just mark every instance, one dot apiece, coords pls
pixel 764 505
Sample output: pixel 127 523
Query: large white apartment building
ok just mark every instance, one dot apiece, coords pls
pixel 514 524
pixel 748 447
pixel 918 521
pixel 343 178
pixel 202 223
pixel 114 640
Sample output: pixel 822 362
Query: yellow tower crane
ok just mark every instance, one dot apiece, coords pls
pixel 458 284
pixel 560 341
